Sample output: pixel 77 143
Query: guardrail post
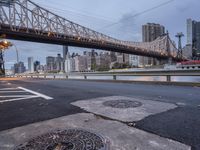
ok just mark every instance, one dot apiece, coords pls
pixel 114 77
pixel 168 78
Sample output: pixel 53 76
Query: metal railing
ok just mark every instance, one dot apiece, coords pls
pixel 167 74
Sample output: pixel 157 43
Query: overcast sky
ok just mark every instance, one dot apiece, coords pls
pixel 117 18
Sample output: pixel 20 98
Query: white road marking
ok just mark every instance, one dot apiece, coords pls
pixel 17 96
pixel 11 98
pixel 18 99
pixel 13 92
pixel 36 93
pixel 7 89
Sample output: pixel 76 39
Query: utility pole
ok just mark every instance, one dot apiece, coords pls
pixel 180 50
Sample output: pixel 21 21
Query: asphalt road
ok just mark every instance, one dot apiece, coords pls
pixel 181 124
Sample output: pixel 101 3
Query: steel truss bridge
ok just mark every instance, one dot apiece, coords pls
pixel 27 21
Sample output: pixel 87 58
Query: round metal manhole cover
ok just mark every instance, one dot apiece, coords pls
pixel 72 139
pixel 122 104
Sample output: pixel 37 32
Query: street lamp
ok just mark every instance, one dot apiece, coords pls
pixel 3 45
pixel 17 52
pixel 8 44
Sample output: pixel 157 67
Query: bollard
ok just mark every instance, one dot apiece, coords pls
pixel 85 77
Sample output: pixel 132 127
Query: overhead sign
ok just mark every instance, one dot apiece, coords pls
pixel 6 2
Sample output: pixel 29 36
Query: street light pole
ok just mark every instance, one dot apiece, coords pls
pixel 17 52
pixel 3 45
pixel 2 66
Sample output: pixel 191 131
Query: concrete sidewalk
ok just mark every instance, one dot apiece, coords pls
pixel 118 135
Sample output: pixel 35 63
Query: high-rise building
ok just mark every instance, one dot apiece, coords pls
pixel 59 63
pixel 122 58
pixel 193 37
pixel 133 60
pixel 55 64
pixel 187 51
pixel 50 62
pixel 65 52
pixel 67 65
pixel 19 68
pixel 36 65
pixel 190 31
pixel 150 32
pixel 113 56
pixel 93 59
pixel 103 61
pixel 30 65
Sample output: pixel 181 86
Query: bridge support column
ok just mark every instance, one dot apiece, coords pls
pixel 168 78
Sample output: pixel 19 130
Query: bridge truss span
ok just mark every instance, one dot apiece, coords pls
pixel 25 20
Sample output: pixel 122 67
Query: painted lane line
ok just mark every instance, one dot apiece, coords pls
pixel 17 96
pixel 13 92
pixel 36 93
pixel 18 99
pixel 8 89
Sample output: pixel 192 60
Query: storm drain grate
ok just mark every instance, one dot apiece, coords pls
pixel 122 104
pixel 72 139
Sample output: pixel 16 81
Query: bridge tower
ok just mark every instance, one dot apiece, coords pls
pixel 180 50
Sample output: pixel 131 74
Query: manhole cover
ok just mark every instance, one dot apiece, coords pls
pixel 72 139
pixel 122 104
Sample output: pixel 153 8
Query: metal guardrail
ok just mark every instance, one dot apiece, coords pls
pixel 114 75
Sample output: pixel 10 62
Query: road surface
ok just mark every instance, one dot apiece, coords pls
pixel 24 102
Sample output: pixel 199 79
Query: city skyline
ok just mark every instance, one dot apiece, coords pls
pixel 97 22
